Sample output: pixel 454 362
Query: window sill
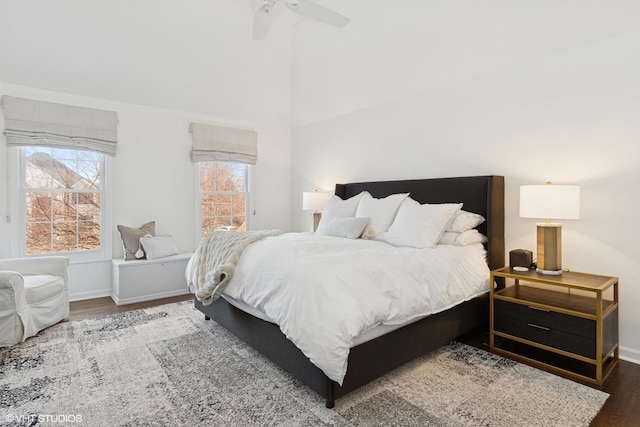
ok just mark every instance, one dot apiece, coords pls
pixel 75 258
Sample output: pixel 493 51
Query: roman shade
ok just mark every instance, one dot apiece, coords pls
pixel 223 144
pixel 31 122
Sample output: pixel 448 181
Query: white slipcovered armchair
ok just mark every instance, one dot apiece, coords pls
pixel 33 295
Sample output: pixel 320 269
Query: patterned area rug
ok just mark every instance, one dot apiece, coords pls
pixel 167 366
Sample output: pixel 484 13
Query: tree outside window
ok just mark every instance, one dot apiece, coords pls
pixel 62 193
pixel 223 188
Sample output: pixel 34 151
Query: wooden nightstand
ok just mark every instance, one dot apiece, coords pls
pixel 565 324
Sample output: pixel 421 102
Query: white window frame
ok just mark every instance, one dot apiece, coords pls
pixel 18 213
pixel 249 212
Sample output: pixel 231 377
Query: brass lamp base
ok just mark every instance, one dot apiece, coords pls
pixel 549 256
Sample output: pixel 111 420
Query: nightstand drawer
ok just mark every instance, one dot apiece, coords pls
pixel 550 336
pixel 549 319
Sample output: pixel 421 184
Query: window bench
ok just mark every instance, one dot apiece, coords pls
pixel 143 280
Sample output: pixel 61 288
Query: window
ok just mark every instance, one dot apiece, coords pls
pixel 223 196
pixel 61 201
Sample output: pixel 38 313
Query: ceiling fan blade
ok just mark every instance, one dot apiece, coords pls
pixel 317 12
pixel 261 23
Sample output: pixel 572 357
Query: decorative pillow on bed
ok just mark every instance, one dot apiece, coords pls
pixel 159 247
pixel 380 212
pixel 338 208
pixel 131 238
pixel 351 228
pixel 420 226
pixel 464 221
pixel 469 237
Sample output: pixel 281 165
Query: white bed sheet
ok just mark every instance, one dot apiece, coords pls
pixel 324 292
pixel 375 332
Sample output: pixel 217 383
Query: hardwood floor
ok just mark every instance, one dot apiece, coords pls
pixel 623 385
pixel 623 406
pixel 79 310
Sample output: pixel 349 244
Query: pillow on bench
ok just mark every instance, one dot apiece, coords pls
pixel 159 246
pixel 131 238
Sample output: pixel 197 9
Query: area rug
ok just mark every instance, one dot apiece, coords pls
pixel 167 366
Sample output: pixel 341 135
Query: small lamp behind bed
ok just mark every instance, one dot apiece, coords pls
pixel 315 201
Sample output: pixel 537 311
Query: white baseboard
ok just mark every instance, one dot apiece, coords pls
pixel 630 355
pixel 133 300
pixel 79 296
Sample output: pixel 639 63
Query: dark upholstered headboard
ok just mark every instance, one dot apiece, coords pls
pixel 480 194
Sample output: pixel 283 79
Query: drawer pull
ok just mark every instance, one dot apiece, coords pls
pixel 537 308
pixel 539 327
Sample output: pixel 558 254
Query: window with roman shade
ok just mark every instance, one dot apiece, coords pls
pixel 37 123
pixel 223 144
pixel 59 155
pixel 223 157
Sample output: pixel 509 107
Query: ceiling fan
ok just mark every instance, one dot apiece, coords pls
pixel 308 9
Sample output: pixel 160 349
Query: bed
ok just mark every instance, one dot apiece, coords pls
pixel 483 195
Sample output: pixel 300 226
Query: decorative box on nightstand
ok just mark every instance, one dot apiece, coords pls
pixel 565 324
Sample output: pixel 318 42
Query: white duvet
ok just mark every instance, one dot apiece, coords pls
pixel 325 291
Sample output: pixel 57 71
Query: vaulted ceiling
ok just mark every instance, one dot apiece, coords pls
pixel 189 55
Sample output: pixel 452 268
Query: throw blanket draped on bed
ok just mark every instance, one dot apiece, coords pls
pixel 214 262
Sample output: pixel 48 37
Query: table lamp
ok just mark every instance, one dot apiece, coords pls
pixel 315 201
pixel 549 202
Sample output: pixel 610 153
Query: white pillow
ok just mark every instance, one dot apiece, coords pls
pixel 469 237
pixel 464 221
pixel 351 228
pixel 380 212
pixel 338 208
pixel 159 246
pixel 420 226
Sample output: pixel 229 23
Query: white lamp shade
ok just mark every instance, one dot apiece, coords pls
pixel 314 200
pixel 550 201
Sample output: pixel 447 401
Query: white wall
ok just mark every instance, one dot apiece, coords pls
pixel 534 91
pixel 154 179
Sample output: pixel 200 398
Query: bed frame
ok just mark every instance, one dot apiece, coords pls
pixel 372 359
